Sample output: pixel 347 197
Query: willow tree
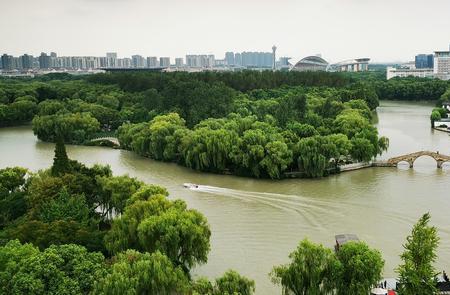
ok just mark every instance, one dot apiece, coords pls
pixel 142 273
pixel 158 224
pixel 361 268
pixel 313 270
pixel 311 160
pixel 417 275
pixel 234 283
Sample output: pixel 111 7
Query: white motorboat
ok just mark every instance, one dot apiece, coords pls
pixel 190 185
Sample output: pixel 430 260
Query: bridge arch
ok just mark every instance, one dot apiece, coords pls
pixel 411 158
pixel 113 140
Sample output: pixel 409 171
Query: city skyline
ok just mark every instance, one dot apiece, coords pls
pixel 244 59
pixel 339 30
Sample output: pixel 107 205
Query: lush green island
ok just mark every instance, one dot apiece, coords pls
pixel 73 229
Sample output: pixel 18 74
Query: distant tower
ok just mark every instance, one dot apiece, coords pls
pixel 274 49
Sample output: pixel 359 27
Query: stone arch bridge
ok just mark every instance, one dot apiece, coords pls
pixel 111 139
pixel 410 158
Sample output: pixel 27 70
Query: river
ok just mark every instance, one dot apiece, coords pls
pixel 256 223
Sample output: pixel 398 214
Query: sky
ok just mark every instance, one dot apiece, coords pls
pixel 383 30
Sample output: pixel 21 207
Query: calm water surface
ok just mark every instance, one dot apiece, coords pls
pixel 257 223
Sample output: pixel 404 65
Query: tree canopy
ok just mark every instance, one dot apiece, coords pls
pixel 313 270
pixel 417 274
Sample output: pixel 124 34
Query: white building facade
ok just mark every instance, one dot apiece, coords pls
pixel 442 65
pixel 392 72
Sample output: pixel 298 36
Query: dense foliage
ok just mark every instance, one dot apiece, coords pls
pixel 315 270
pixel 411 89
pixel 55 224
pixel 65 269
pixel 142 273
pixel 361 268
pixel 260 124
pixel 417 274
pixel 266 137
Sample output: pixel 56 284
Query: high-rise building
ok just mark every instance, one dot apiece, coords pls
pixel 44 61
pixel 424 61
pixel 102 61
pixel 7 62
pixel 192 61
pixel 200 61
pixel 124 62
pixel 283 62
pixel 111 60
pixel 17 63
pixel 152 62
pixel 210 61
pixel 164 62
pixel 179 62
pixel 442 65
pixel 257 59
pixel 111 55
pixel 237 59
pixel 229 58
pixel 138 61
pixel 27 61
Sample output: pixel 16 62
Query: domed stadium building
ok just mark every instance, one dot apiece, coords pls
pixel 311 64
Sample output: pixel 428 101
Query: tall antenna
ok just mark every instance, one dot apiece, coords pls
pixel 274 49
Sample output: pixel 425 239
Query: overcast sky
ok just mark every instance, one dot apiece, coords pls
pixel 384 30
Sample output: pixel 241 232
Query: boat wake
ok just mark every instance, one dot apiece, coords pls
pixel 309 208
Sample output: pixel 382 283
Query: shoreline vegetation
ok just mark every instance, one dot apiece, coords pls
pixel 255 124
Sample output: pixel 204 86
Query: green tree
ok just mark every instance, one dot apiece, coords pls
pixel 362 149
pixel 435 116
pixel 158 224
pixel 361 268
pixel 313 270
pixel 417 274
pixel 278 157
pixel 202 286
pixel 12 178
pixel 115 191
pixel 65 207
pixel 65 269
pixel 232 283
pixel 12 194
pixel 61 162
pixel 142 273
pixel 73 127
pixel 311 159
pixel 50 107
pixel 58 232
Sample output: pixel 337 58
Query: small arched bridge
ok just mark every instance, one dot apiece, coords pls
pixel 113 140
pixel 410 158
